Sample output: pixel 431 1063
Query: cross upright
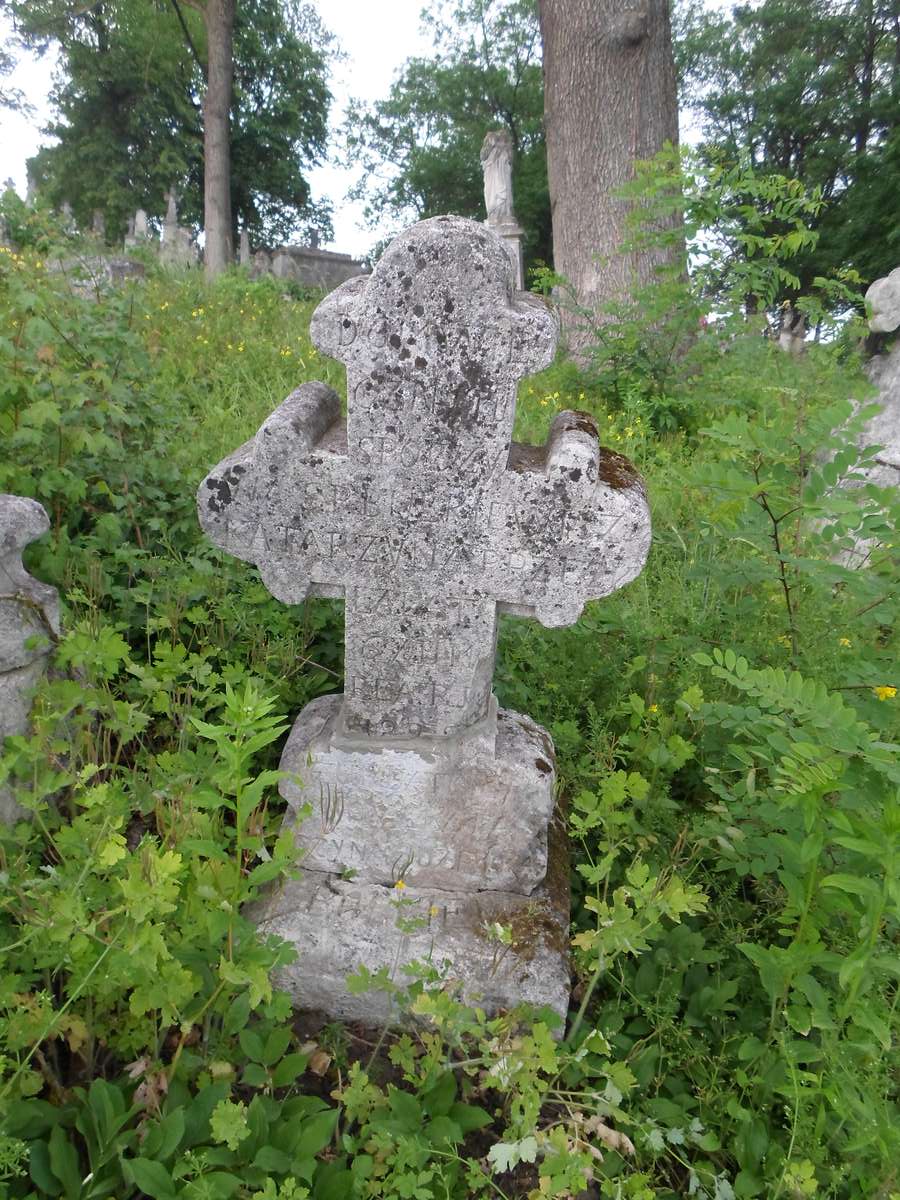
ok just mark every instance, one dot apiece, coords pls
pixel 419 509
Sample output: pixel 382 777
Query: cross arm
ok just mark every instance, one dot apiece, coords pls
pixel 236 501
pixel 579 521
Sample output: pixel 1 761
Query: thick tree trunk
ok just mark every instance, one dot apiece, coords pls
pixel 609 99
pixel 218 250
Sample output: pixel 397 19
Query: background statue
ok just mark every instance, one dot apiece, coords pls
pixel 496 162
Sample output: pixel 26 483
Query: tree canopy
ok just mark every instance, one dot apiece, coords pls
pixel 811 92
pixel 420 146
pixel 129 119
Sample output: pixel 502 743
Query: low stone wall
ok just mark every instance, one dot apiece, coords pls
pixel 308 266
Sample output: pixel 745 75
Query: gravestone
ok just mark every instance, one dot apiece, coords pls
pixel 29 624
pixel 98 224
pixel 177 247
pixel 423 514
pixel 883 302
pixel 244 255
pixel 496 165
pixel 882 429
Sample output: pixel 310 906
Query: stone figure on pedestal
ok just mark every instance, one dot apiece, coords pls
pixel 496 163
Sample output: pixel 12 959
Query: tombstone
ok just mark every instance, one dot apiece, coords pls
pixel 29 624
pixel 314 239
pixel 30 188
pixel 422 513
pixel 496 163
pixel 8 187
pixel 882 429
pixel 177 248
pixel 171 198
pixel 792 331
pixel 282 265
pixel 244 256
pixel 261 263
pixel 98 224
pixel 883 302
pixel 67 217
pixel 140 224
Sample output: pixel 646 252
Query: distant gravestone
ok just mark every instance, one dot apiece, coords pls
pixel 98 224
pixel 423 514
pixel 883 429
pixel 496 164
pixel 141 229
pixel 29 624
pixel 883 301
pixel 177 248
pixel 244 255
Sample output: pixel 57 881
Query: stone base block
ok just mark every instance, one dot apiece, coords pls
pixel 16 689
pixel 505 949
pixel 465 813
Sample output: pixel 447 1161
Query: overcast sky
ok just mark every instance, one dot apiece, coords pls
pixel 376 38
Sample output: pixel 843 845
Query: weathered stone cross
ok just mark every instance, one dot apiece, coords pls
pixel 428 519
pixel 420 510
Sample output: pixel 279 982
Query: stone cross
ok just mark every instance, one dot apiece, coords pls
pixel 29 623
pixel 421 511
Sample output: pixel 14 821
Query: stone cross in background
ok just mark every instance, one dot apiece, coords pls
pixel 29 623
pixel 496 164
pixel 428 519
pixel 177 247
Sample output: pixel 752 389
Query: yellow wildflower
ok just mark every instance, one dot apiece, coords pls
pixel 399 886
pixel 653 708
pixel 884 692
pixel 845 642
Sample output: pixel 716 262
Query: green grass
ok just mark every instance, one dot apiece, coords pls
pixel 746 1043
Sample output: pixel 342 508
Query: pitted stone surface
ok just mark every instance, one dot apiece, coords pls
pixel 424 515
pixel 882 429
pixel 419 510
pixel 459 813
pixel 883 299
pixel 337 924
pixel 29 620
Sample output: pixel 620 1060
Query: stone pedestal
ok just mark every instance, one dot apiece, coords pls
pixel 512 234
pixel 502 948
pixel 450 834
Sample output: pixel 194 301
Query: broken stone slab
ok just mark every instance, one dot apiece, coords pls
pixel 465 813
pixel 502 948
pixel 29 624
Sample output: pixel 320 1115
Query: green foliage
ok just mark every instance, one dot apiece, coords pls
pixel 420 147
pixel 808 92
pixel 726 728
pixel 129 110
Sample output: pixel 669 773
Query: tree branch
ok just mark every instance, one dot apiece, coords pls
pixel 187 35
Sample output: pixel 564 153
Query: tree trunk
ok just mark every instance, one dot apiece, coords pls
pixel 218 250
pixel 609 99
